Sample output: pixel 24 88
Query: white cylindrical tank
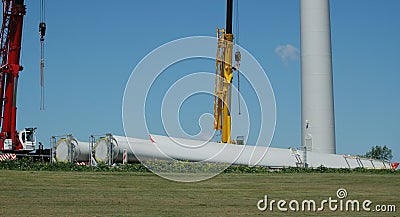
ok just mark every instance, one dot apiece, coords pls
pixel 69 148
pixel 318 124
pixel 118 145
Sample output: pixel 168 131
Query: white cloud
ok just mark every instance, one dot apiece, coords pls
pixel 287 53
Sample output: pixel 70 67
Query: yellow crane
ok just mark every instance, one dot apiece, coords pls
pixel 224 77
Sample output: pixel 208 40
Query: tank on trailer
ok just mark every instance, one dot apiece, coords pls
pixel 110 149
pixel 68 149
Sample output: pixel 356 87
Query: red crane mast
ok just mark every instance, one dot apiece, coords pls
pixel 11 36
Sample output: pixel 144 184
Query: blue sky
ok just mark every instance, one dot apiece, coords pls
pixel 93 46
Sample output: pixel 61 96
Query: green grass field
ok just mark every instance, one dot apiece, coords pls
pixel 45 193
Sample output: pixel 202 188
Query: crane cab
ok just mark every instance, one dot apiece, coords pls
pixel 27 137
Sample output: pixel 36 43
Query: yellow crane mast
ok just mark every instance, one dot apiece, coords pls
pixel 223 78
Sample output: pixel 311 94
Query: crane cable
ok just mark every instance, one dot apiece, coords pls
pixel 237 24
pixel 238 56
pixel 42 32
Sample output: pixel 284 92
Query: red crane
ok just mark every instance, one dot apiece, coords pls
pixel 11 36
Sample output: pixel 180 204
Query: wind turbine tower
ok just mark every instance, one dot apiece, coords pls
pixel 317 107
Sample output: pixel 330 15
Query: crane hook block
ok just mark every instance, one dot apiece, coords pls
pixel 238 56
pixel 42 29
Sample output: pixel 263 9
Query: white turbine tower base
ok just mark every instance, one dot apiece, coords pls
pixel 317 108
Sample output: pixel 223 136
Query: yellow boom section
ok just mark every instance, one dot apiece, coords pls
pixel 223 85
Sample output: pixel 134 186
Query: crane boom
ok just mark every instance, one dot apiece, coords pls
pixel 223 79
pixel 11 38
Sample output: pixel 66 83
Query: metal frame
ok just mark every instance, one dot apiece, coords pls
pixel 53 142
pixel 110 146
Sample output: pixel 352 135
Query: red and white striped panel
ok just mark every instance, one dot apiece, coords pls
pixel 4 157
pixel 125 157
pixel 82 163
